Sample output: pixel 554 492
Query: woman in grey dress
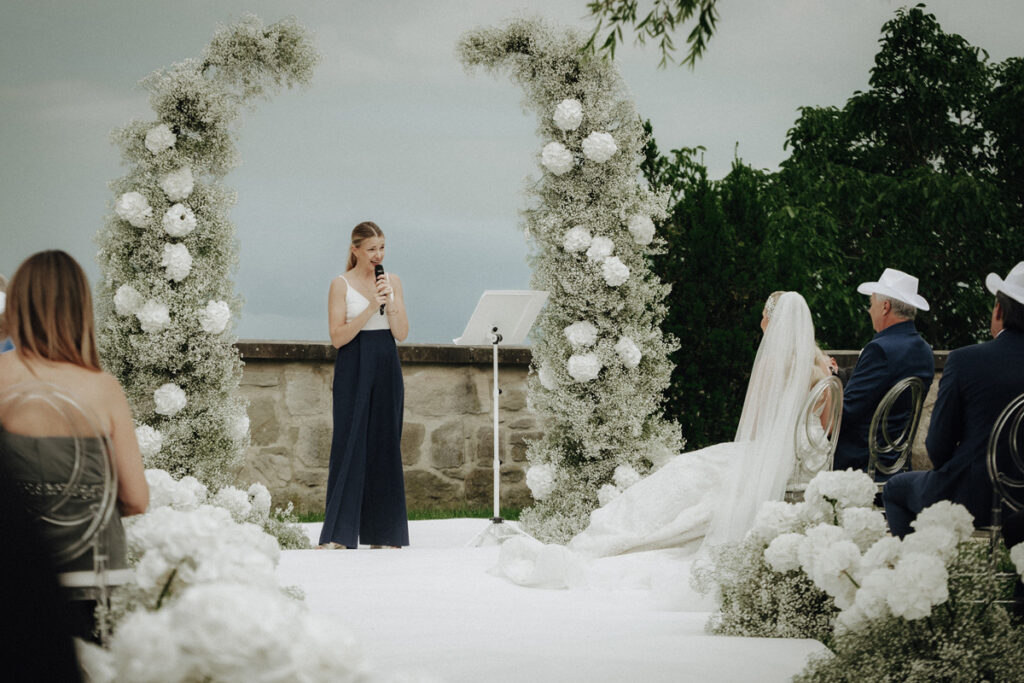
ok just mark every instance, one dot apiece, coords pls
pixel 49 317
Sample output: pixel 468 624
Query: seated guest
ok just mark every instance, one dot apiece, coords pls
pixel 977 384
pixel 896 352
pixel 5 342
pixel 49 314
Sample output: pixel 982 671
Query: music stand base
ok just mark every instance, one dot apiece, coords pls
pixel 495 533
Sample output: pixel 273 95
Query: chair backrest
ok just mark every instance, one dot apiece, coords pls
pixel 815 438
pixel 1007 473
pixel 72 493
pixel 880 441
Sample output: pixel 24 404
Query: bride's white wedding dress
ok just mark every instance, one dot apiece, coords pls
pixel 698 499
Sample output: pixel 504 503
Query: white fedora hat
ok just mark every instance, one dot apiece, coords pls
pixel 1012 286
pixel 896 284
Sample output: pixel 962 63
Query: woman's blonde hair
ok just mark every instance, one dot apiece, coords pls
pixel 49 310
pixel 364 231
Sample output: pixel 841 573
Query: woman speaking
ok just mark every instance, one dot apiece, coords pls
pixel 365 486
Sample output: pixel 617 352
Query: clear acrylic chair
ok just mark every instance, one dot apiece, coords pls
pixel 880 440
pixel 1006 465
pixel 816 433
pixel 60 458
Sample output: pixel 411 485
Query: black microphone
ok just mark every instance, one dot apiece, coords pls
pixel 378 270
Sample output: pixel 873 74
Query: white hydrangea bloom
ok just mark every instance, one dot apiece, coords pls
pixel 628 352
pixel 127 300
pixel 547 378
pixel 540 479
pixel 774 518
pixel 179 220
pixel 238 427
pixel 600 249
pixel 819 539
pixel 159 138
pixel 259 498
pixel 177 262
pixel 234 501
pixel 870 603
pixel 849 488
pixel 577 239
pixel 884 553
pixel 584 367
pixel 625 476
pixel 1017 556
pixel 948 515
pixel 150 440
pixel 186 494
pixel 581 334
pixel 865 525
pixel 834 571
pixel 932 540
pixel 169 399
pixel 153 316
pixel 615 272
pixel 134 208
pixel 923 582
pixel 556 158
pixel 782 553
pixel 641 227
pixel 606 494
pixel 178 185
pixel 214 317
pixel 569 114
pixel 599 147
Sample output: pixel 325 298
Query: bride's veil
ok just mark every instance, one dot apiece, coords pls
pixel 779 384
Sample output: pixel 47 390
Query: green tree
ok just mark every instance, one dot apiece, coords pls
pixel 659 23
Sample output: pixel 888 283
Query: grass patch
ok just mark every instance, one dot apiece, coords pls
pixel 434 513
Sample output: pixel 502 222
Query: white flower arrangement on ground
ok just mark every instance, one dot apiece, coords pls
pixel 599 147
pixel 134 208
pixel 595 270
pixel 149 440
pixel 179 220
pixel 541 480
pixel 174 184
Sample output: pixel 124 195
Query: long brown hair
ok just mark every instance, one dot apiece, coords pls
pixel 364 231
pixel 49 310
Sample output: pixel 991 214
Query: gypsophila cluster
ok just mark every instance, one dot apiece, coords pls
pixel 600 359
pixel 168 249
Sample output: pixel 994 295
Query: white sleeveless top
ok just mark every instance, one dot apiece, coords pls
pixel 356 303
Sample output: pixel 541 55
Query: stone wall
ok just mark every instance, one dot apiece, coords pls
pixel 447 441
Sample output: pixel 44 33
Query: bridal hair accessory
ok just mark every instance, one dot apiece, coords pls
pixel 898 285
pixel 769 305
pixel 1012 286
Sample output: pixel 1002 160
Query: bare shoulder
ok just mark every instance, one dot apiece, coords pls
pixel 339 283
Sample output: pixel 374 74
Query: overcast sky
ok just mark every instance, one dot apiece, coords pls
pixel 392 129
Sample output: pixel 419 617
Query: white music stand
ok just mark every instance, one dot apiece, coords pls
pixel 501 317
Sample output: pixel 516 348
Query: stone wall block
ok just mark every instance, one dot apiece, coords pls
pixel 314 477
pixel 484 446
pixel 307 389
pixel 264 426
pixel 480 487
pixel 413 434
pixel 448 445
pixel 441 391
pixel 518 444
pixel 919 454
pixel 425 490
pixel 261 375
pixel 313 443
pixel 271 466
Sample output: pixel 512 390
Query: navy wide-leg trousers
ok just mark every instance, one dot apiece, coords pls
pixel 365 485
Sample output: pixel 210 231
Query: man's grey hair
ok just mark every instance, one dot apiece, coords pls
pixel 900 308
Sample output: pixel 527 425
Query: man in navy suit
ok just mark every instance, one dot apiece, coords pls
pixel 978 382
pixel 896 352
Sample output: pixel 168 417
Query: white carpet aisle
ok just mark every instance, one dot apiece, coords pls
pixel 433 608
